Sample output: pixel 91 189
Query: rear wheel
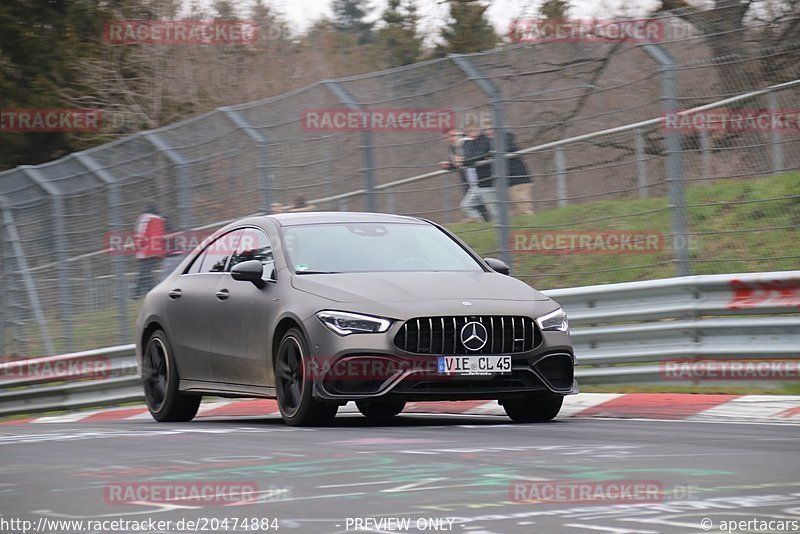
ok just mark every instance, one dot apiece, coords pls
pixel 160 376
pixel 370 408
pixel 293 386
pixel 533 409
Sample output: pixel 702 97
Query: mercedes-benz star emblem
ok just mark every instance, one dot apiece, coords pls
pixel 474 336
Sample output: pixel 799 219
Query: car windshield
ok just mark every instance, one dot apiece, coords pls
pixel 374 247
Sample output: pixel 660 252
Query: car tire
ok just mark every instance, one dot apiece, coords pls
pixel 379 409
pixel 294 388
pixel 533 409
pixel 160 377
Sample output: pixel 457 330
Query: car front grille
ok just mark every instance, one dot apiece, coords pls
pixel 505 334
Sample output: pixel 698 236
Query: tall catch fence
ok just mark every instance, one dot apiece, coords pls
pixel 618 195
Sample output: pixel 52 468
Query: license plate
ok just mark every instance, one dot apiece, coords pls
pixel 474 365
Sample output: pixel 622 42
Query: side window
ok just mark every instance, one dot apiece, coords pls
pixel 214 259
pixel 218 252
pixel 254 245
pixel 194 268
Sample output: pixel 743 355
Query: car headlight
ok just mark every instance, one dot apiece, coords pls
pixel 344 323
pixel 556 320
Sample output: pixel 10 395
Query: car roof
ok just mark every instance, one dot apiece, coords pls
pixel 317 217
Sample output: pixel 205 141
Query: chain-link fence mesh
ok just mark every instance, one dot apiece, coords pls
pixel 616 196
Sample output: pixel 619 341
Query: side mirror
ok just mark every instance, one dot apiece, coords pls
pixel 497 265
pixel 249 271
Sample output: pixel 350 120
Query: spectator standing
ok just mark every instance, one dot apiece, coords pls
pixel 300 204
pixel 149 235
pixel 468 176
pixel 520 181
pixel 477 148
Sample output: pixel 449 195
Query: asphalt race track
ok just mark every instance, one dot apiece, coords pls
pixel 416 473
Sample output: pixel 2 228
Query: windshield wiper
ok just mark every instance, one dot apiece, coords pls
pixel 316 272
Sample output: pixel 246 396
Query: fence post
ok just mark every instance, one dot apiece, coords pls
pixel 674 164
pixel 561 176
pixel 18 338
pixel 641 163
pixel 390 205
pixel 367 148
pixel 182 179
pixel 446 202
pixel 262 142
pixel 4 292
pixel 64 292
pixel 775 137
pixel 499 162
pixel 117 261
pixel 22 267
pixel 705 149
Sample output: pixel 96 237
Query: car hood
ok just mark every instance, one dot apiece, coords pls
pixel 397 287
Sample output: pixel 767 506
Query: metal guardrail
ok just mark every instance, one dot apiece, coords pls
pixel 622 333
pixel 99 377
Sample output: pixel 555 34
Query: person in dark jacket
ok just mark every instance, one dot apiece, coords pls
pixel 520 181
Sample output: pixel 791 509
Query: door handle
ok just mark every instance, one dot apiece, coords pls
pixel 223 294
pixel 175 293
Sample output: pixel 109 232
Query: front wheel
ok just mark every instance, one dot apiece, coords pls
pixel 293 385
pixel 160 376
pixel 380 408
pixel 533 409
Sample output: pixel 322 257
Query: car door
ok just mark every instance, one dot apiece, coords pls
pixel 190 308
pixel 240 354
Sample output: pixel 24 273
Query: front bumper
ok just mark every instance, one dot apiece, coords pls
pixel 392 374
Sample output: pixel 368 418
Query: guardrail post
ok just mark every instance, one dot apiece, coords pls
pixel 117 261
pixel 674 163
pixel 182 178
pixel 775 137
pixel 367 147
pixel 561 176
pixel 499 162
pixel 641 163
pixel 262 142
pixel 22 266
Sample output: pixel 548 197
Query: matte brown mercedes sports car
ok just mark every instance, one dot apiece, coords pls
pixel 318 309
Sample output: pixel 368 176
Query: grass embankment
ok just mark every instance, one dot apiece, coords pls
pixel 734 226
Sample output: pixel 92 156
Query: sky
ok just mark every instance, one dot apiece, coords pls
pixel 301 13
